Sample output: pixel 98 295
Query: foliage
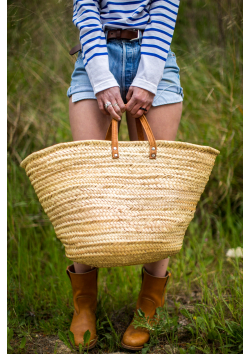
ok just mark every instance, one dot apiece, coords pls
pixel 9 337
pixel 67 338
pixel 160 325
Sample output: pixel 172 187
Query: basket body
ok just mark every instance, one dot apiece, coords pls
pixel 114 212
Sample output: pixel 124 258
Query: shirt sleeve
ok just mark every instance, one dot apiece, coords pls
pixel 86 17
pixel 155 44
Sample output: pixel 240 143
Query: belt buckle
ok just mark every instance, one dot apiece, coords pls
pixel 138 36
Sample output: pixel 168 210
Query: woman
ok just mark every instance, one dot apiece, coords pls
pixel 124 58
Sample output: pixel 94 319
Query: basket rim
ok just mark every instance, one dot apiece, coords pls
pixel 59 146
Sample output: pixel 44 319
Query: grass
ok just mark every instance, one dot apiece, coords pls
pixel 204 282
pixel 203 312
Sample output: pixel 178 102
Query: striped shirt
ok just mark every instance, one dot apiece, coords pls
pixel 156 17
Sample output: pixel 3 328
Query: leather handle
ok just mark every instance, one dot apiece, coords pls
pixel 141 122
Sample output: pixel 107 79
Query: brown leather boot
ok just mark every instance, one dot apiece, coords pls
pixel 84 287
pixel 150 297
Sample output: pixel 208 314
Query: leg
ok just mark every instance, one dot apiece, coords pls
pixel 164 121
pixel 84 288
pixel 87 123
pixel 158 269
pixel 150 297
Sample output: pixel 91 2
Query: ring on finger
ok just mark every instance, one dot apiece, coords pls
pixel 107 104
pixel 116 104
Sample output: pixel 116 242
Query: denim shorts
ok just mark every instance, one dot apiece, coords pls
pixel 128 54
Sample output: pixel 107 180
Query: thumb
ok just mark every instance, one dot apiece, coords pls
pixel 130 93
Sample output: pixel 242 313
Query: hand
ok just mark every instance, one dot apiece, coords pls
pixel 136 98
pixel 112 95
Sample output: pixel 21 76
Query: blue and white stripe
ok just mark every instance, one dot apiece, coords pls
pixel 156 17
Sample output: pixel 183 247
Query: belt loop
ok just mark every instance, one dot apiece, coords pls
pixel 106 33
pixel 140 38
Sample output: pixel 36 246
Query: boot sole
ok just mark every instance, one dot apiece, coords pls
pixel 129 347
pixel 90 346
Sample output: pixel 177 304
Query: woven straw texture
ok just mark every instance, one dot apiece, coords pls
pixel 114 212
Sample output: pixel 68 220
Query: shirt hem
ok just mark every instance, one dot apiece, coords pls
pixel 146 85
pixel 105 85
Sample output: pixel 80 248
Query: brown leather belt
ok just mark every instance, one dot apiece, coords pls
pixel 124 34
pixel 118 34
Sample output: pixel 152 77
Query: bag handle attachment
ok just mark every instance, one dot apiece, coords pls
pixel 141 123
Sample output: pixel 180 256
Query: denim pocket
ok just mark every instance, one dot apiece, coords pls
pixel 79 65
pixel 79 56
pixel 170 53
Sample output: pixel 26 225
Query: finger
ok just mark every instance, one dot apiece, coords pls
pixel 136 108
pixel 140 112
pixel 120 103
pixel 144 111
pixel 129 93
pixel 147 108
pixel 113 114
pixel 117 108
pixel 101 107
pixel 130 97
pixel 143 104
pixel 130 105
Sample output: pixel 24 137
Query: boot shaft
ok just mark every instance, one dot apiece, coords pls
pixel 152 290
pixel 84 286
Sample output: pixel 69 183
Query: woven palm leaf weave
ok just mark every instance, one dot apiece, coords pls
pixel 126 211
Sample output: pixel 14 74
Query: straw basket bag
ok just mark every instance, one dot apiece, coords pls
pixel 120 204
